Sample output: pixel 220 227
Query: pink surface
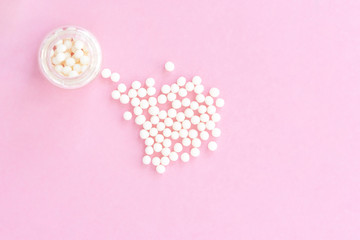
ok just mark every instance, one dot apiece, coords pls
pixel 287 166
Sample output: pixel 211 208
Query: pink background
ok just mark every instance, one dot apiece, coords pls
pixel 288 160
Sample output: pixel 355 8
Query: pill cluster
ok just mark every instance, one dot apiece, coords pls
pixel 70 57
pixel 176 121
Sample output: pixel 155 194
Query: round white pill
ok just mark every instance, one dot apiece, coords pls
pixel 124 99
pixel 220 102
pixel 156 161
pixel 194 105
pixel 115 77
pixel 153 132
pixel 202 109
pixel 199 89
pixel 127 115
pixel 60 48
pixel 181 81
pixel 210 125
pixel 204 117
pixel 154 120
pixel 78 54
pixel 132 93
pixel 175 88
pixel 185 157
pixel 169 66
pixel 195 152
pixel 138 111
pixel 209 100
pixel 135 102
pixel 159 138
pixel 60 57
pixel 115 94
pixel 165 151
pixel 212 146
pixel 186 142
pixel 144 104
pixel 151 91
pixel 171 113
pixel 168 122
pixel 144 134
pixel 178 147
pixel 162 114
pixel 186 102
pixel 174 135
pixel 201 127
pixel 176 126
pixel 152 101
pixel 180 117
pixel 153 110
pixel 136 85
pixel 189 113
pixel 171 97
pixel 157 147
pixel 196 142
pixel 216 117
pixel 160 169
pixel 142 92
pixel 200 98
pixel 183 133
pixel 195 120
pixel 167 132
pixel 147 125
pixel 150 82
pixel 176 104
pixel 140 120
pixel 165 89
pixel 162 99
pixel 149 141
pixel 196 80
pixel 186 124
pixel 189 86
pixel 70 61
pixel 167 143
pixel 146 160
pixel 165 161
pixel 149 150
pixel 160 126
pixel 122 87
pixel 173 156
pixel 182 92
pixel 79 44
pixel 193 133
pixel 214 92
pixel 106 73
pixel 204 135
pixel 211 109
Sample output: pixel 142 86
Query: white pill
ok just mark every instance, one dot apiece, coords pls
pixel 146 160
pixel 122 88
pixel 193 133
pixel 165 151
pixel 211 109
pixel 178 147
pixel 142 92
pixel 115 94
pixel 212 146
pixel 196 80
pixel 60 48
pixel 60 57
pixel 152 101
pixel 201 127
pixel 169 66
pixel 158 147
pixel 183 133
pixel 77 67
pixel 138 111
pixel 70 62
pixel 200 98
pixel 79 44
pixel 165 89
pixel 176 104
pixel 216 132
pixel 168 122
pixel 147 125
pixel 176 126
pixel 150 82
pixel 195 152
pixel 174 135
pixel 189 113
pixel 160 126
pixel 196 142
pixel 153 132
pixel 162 99
pixel 68 43
pixel 220 102
pixel 173 156
pixel 214 92
pixel 135 102
pixel 144 134
pixel 132 93
pixel 202 109
pixel 127 115
pixel 160 169
pixel 216 117
pixel 167 132
pixel 162 114
pixel 186 142
pixel 154 110
pixel 199 89
pixel 195 120
pixel 209 100
pixel 185 157
pixel 149 150
pixel 73 74
pixel 78 54
pixel 151 91
pixel 171 97
pixel 189 86
pixel 124 99
pixel 194 105
pixel 167 143
pixel 140 120
pixel 156 161
pixel 182 92
pixel 67 54
pixel 136 85
pixel 180 117
pixel 154 120
pixel 149 141
pixel 210 125
pixel 144 104
pixel 165 161
pixel 181 81
pixel 106 73
pixel 186 124
pixel 171 113
pixel 159 138
pixel 186 102
pixel 204 135
pixel 204 117
pixel 66 70
pixel 85 60
pixel 174 88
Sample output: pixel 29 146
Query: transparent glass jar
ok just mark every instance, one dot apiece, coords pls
pixel 47 49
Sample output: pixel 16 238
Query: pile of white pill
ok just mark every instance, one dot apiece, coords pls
pixel 70 57
pixel 175 122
